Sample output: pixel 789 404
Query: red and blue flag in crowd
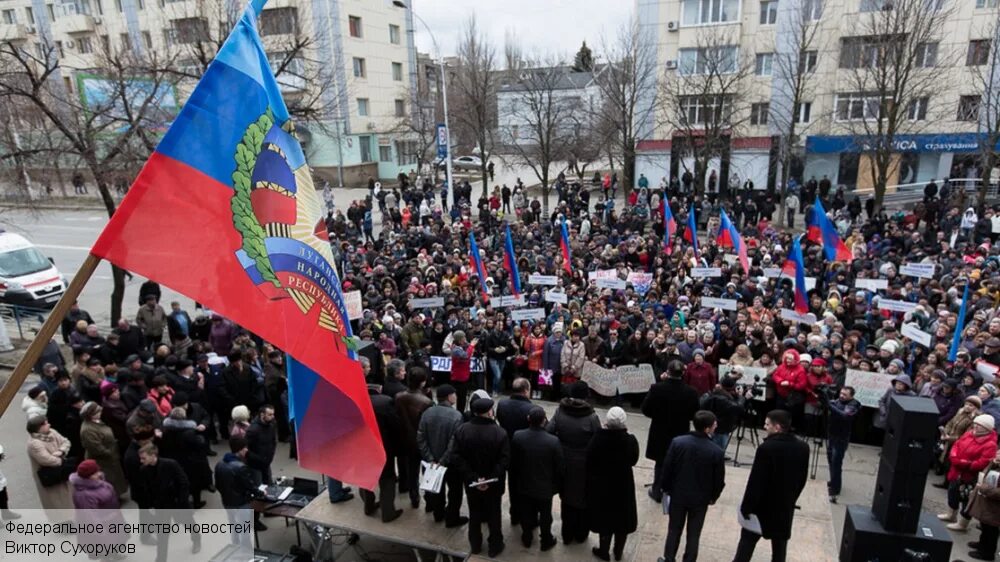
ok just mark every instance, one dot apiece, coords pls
pixel 729 237
pixel 669 226
pixel 564 246
pixel 794 268
pixel 510 263
pixel 691 233
pixel 476 263
pixel 956 339
pixel 228 188
pixel 819 230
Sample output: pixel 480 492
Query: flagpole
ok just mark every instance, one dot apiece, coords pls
pixel 48 330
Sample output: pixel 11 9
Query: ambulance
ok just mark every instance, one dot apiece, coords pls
pixel 27 277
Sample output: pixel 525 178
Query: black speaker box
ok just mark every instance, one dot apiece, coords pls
pixel 865 540
pixel 910 433
pixel 899 495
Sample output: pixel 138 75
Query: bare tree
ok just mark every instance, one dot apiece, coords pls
pixel 474 83
pixel 890 78
pixel 986 78
pixel 704 101
pixel 420 126
pixel 628 91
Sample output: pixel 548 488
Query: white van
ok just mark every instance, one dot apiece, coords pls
pixel 27 277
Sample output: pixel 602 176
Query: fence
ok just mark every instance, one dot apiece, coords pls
pixel 25 320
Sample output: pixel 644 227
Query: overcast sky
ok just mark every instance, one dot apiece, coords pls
pixel 551 27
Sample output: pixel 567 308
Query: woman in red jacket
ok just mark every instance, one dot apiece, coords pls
pixel 970 454
pixel 816 376
pixel 790 384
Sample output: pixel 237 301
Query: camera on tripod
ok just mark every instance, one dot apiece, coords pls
pixel 755 389
pixel 825 393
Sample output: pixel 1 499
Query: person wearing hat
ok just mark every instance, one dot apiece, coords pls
pixel 991 404
pixel 100 444
pixel 36 402
pixel 462 352
pixel 537 470
pixel 670 404
pixel 482 455
pixel 971 453
pixel 955 428
pixel 96 502
pixel 552 359
pixel 901 386
pixel 700 375
pixel 816 377
pixel 435 431
pixel 575 423
pixel 991 351
pixel 610 489
pixel 726 403
pixel 47 448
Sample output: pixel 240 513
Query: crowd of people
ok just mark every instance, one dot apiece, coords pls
pixel 149 402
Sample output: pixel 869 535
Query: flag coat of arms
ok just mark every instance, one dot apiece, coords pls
pixel 225 212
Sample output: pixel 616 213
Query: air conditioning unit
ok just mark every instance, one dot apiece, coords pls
pixel 671 65
pixel 673 25
pixel 371 126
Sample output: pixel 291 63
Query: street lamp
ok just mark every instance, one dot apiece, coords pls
pixel 444 94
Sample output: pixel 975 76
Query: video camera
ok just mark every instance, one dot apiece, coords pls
pixel 755 389
pixel 825 393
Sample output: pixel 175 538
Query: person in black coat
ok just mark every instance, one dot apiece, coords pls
pixel 262 440
pixel 670 404
pixel 239 385
pixel 776 479
pixel 391 429
pixel 694 475
pixel 167 488
pixel 575 424
pixel 611 509
pixel 137 488
pixel 237 484
pixel 536 460
pixel 182 443
pixel 512 415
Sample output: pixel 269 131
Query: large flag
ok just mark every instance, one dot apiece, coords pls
pixel 476 263
pixel 564 246
pixel 729 237
pixel 510 263
pixel 956 339
pixel 819 230
pixel 691 233
pixel 669 226
pixel 794 268
pixel 225 212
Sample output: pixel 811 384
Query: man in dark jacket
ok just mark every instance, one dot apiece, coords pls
pixel 670 404
pixel 777 478
pixel 167 488
pixel 512 415
pixel 438 425
pixel 389 427
pixel 482 455
pixel 239 385
pixel 842 412
pixel 137 488
pixel 694 475
pixel 262 440
pixel 74 315
pixel 395 372
pixel 410 405
pixel 727 405
pixel 536 462
pixel 237 483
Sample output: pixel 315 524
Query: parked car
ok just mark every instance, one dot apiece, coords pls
pixel 462 163
pixel 27 277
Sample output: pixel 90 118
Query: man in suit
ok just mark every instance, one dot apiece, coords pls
pixel 537 460
pixel 694 475
pixel 776 480
pixel 512 415
pixel 169 492
pixel 670 404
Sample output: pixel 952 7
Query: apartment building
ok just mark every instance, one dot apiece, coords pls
pixel 574 97
pixel 354 60
pixel 939 136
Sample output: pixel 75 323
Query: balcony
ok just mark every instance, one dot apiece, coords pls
pixel 74 23
pixel 13 32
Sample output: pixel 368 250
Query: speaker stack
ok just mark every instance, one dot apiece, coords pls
pixel 895 528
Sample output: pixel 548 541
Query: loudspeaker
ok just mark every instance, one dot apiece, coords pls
pixel 899 495
pixel 910 433
pixel 866 540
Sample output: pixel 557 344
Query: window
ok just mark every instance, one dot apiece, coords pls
pixel 856 107
pixel 59 49
pixel 141 4
pixel 698 110
pixel 400 108
pixel 100 7
pixel 84 45
pixel 68 83
pixel 365 146
pixel 701 12
pixel 397 71
pixel 917 110
pixel 186 31
pixel 385 153
pixel 968 108
pixel 9 17
pixel 768 12
pixel 758 113
pixel 875 5
pixel 927 55
pixel 41 51
pixel 987 3
pixel 354 23
pixel 125 41
pixel 394 34
pixel 979 52
pixel 29 16
pixel 869 52
pixel 119 7
pixel 147 39
pixel 406 152
pixel 802 112
pixel 813 10
pixel 359 68
pixel 363 107
pixel 807 64
pixel 52 12
pixel 709 60
pixel 764 63
pixel 279 21
pixel 105 44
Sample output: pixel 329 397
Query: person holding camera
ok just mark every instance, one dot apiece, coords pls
pixel 818 380
pixel 726 402
pixel 842 412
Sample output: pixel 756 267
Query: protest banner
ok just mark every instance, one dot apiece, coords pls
pixel 724 304
pixel 868 387
pixel 617 284
pixel 641 281
pixel 507 301
pixel 925 270
pixel 432 302
pixel 871 284
pixel 602 274
pixel 788 314
pixel 912 331
pixel 527 314
pixel 556 296
pixel 625 379
pixel 352 300
pixel 539 279
pixel 443 364
pixel 896 306
pixel 772 272
pixel 697 272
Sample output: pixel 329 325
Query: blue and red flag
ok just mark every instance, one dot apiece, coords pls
pixel 729 237
pixel 228 188
pixel 564 246
pixel 794 268
pixel 510 263
pixel 669 226
pixel 476 263
pixel 691 233
pixel 819 230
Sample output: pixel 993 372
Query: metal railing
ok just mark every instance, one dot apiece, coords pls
pixel 902 195
pixel 26 320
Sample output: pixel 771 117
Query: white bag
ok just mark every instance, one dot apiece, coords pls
pixel 432 478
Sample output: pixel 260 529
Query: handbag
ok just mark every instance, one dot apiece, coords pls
pixel 54 475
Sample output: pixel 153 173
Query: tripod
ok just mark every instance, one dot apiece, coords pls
pixel 817 438
pixel 741 430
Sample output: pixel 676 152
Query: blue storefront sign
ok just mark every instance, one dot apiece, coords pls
pixel 955 142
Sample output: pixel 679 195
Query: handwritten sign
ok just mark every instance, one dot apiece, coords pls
pixel 641 281
pixel 896 306
pixel 617 284
pixel 539 279
pixel 724 304
pixel 868 387
pixel 872 284
pixel 352 300
pixel 772 272
pixel 433 302
pixel 912 331
pixel 507 301
pixel 556 296
pixel 527 314
pixel 925 270
pixel 602 274
pixel 698 272
pixel 443 364
pixel 625 379
pixel 788 314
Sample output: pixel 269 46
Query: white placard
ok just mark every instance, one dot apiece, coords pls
pixel 995 224
pixel 724 304
pixel 748 372
pixel 443 364
pixel 432 302
pixel 986 370
pixel 772 272
pixel 807 318
pixel 618 284
pixel 914 332
pixel 868 387
pixel 527 314
pixel 539 279
pixel 625 379
pixel 896 306
pixel 602 274
pixel 556 296
pixel 507 301
pixel 352 300
pixel 730 258
pixel 706 272
pixel 871 284
pixel 924 270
